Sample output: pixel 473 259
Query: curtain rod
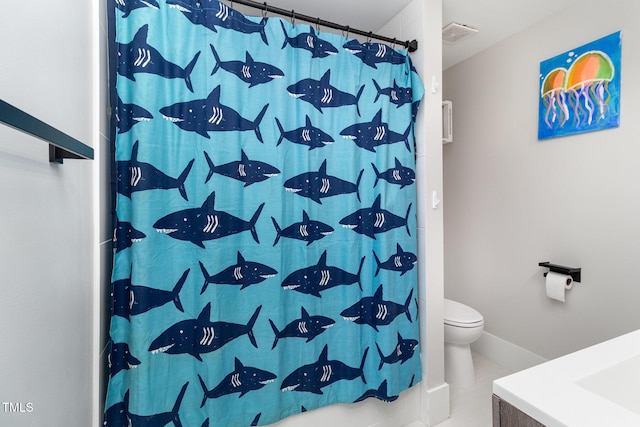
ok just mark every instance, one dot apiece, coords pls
pixel 412 45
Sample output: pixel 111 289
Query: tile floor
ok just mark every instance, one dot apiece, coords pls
pixel 471 407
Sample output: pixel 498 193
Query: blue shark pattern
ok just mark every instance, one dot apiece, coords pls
pixel 242 380
pixel 307 327
pixel 134 175
pixel 140 57
pixel 397 95
pixel 120 358
pixel 322 373
pixel 212 14
pixel 205 223
pixel 143 299
pixel 116 415
pixel 247 171
pixel 375 220
pixel 375 133
pixel 380 393
pixel 318 185
pixel 204 173
pixel 308 230
pixel 309 41
pixel 128 6
pixel 375 311
pixel 320 277
pixel 249 71
pixel 374 53
pixel 202 335
pixel 161 419
pixel 398 175
pixel 120 297
pixel 244 273
pixel 401 353
pixel 400 261
pixel 128 115
pixel 306 135
pixel 124 235
pixel 321 94
pixel 209 115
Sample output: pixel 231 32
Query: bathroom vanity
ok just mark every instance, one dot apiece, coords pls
pixel 597 386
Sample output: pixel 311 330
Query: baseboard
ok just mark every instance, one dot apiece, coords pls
pixel 505 353
pixel 435 406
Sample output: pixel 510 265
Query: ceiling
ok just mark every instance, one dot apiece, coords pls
pixel 496 20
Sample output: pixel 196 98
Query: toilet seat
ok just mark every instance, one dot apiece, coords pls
pixel 461 316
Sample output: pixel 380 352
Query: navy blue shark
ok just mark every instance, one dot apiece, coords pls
pixel 374 53
pixel 403 351
pixel 120 297
pixel 308 230
pixel 120 358
pixel 310 41
pixel 375 311
pixel 124 235
pixel 139 57
pixel 375 133
pixel 128 115
pixel 256 419
pixel 315 376
pixel 307 135
pixel 198 336
pixel 320 277
pixel 209 115
pixel 134 175
pixel 205 223
pixel 400 261
pixel 249 71
pixel 128 6
pixel 398 175
pixel 242 380
pixel 375 220
pixel 162 419
pixel 212 14
pixel 244 273
pixel 321 94
pixel 397 95
pixel 380 393
pixel 319 185
pixel 116 414
pixel 245 170
pixel 307 327
pixel 143 299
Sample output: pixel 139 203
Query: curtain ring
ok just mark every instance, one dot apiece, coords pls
pixel 348 31
pixel 394 43
pixel 231 5
pixel 293 17
pixel 264 12
pixel 369 37
pixel 318 25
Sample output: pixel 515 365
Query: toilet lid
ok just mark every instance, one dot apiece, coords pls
pixel 461 315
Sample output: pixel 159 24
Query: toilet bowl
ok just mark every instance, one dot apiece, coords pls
pixel 462 326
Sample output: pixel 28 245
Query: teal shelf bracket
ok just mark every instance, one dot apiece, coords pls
pixel 61 145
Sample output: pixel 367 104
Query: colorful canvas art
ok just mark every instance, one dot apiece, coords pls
pixel 580 89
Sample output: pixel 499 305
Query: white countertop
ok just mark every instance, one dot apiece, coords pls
pixel 560 392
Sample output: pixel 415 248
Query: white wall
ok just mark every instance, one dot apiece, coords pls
pixel 513 201
pixel 46 218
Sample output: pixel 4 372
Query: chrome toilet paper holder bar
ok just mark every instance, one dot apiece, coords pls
pixel 575 273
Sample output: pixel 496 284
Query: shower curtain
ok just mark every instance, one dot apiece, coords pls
pixel 265 230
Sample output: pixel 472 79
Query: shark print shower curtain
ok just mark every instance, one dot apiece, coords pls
pixel 265 230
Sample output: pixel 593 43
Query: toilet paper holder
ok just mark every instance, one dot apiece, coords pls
pixel 575 273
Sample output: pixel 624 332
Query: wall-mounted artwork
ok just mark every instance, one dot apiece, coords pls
pixel 580 89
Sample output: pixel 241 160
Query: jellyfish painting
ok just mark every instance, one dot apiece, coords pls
pixel 554 98
pixel 588 80
pixel 580 89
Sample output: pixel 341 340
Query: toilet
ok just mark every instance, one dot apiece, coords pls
pixel 462 326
